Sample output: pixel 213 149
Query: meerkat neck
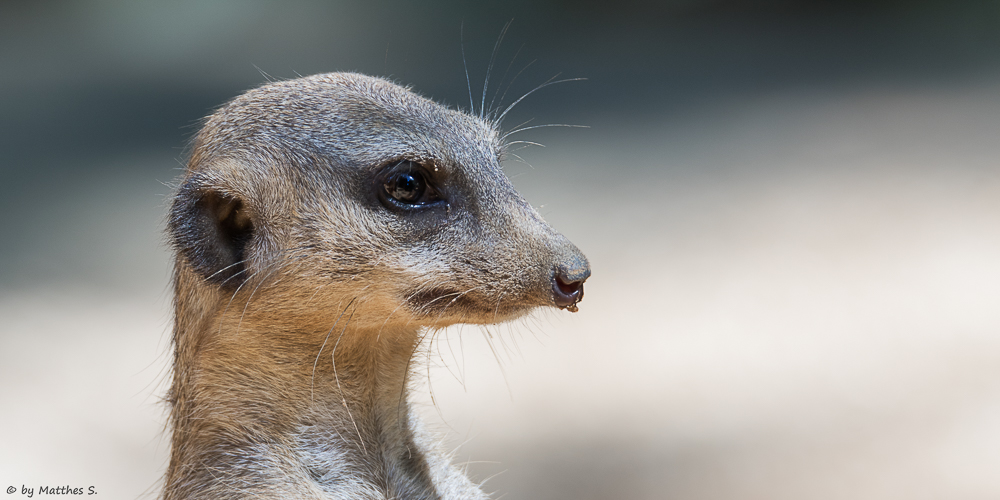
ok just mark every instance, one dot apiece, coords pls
pixel 314 404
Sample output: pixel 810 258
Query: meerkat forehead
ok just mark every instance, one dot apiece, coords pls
pixel 353 118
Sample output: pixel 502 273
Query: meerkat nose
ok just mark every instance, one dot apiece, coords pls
pixel 567 283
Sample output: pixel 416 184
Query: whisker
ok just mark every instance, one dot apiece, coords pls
pixel 343 399
pixel 222 317
pixel 406 376
pixel 504 77
pixel 276 267
pixel 437 345
pixel 518 130
pixel 427 366
pixel 521 160
pixel 457 295
pixel 313 296
pixel 225 310
pixel 496 356
pixel 312 382
pixel 403 302
pixel 512 80
pixel 549 82
pixel 224 268
pixel 503 343
pixel 483 482
pixel 513 340
pixel 266 76
pixel 525 122
pixel 461 349
pixel 529 143
pixel 237 273
pixel 489 69
pixel 465 65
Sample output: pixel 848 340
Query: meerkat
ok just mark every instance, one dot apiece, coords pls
pixel 322 227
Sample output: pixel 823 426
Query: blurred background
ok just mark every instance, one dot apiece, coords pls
pixel 791 208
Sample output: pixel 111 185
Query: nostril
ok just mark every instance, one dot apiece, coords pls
pixel 567 293
pixel 568 288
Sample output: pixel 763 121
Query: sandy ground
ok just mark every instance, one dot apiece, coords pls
pixel 796 296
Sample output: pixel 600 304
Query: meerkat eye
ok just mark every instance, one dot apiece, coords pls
pixel 406 187
pixel 406 184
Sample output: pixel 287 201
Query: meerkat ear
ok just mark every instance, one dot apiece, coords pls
pixel 211 230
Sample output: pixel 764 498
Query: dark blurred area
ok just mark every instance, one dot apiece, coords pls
pixel 85 77
pixel 86 84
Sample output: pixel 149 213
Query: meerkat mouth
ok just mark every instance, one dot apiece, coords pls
pixel 436 300
pixel 470 306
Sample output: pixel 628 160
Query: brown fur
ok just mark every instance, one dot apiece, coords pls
pixel 301 295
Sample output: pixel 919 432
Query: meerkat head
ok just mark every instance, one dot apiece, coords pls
pixel 343 187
